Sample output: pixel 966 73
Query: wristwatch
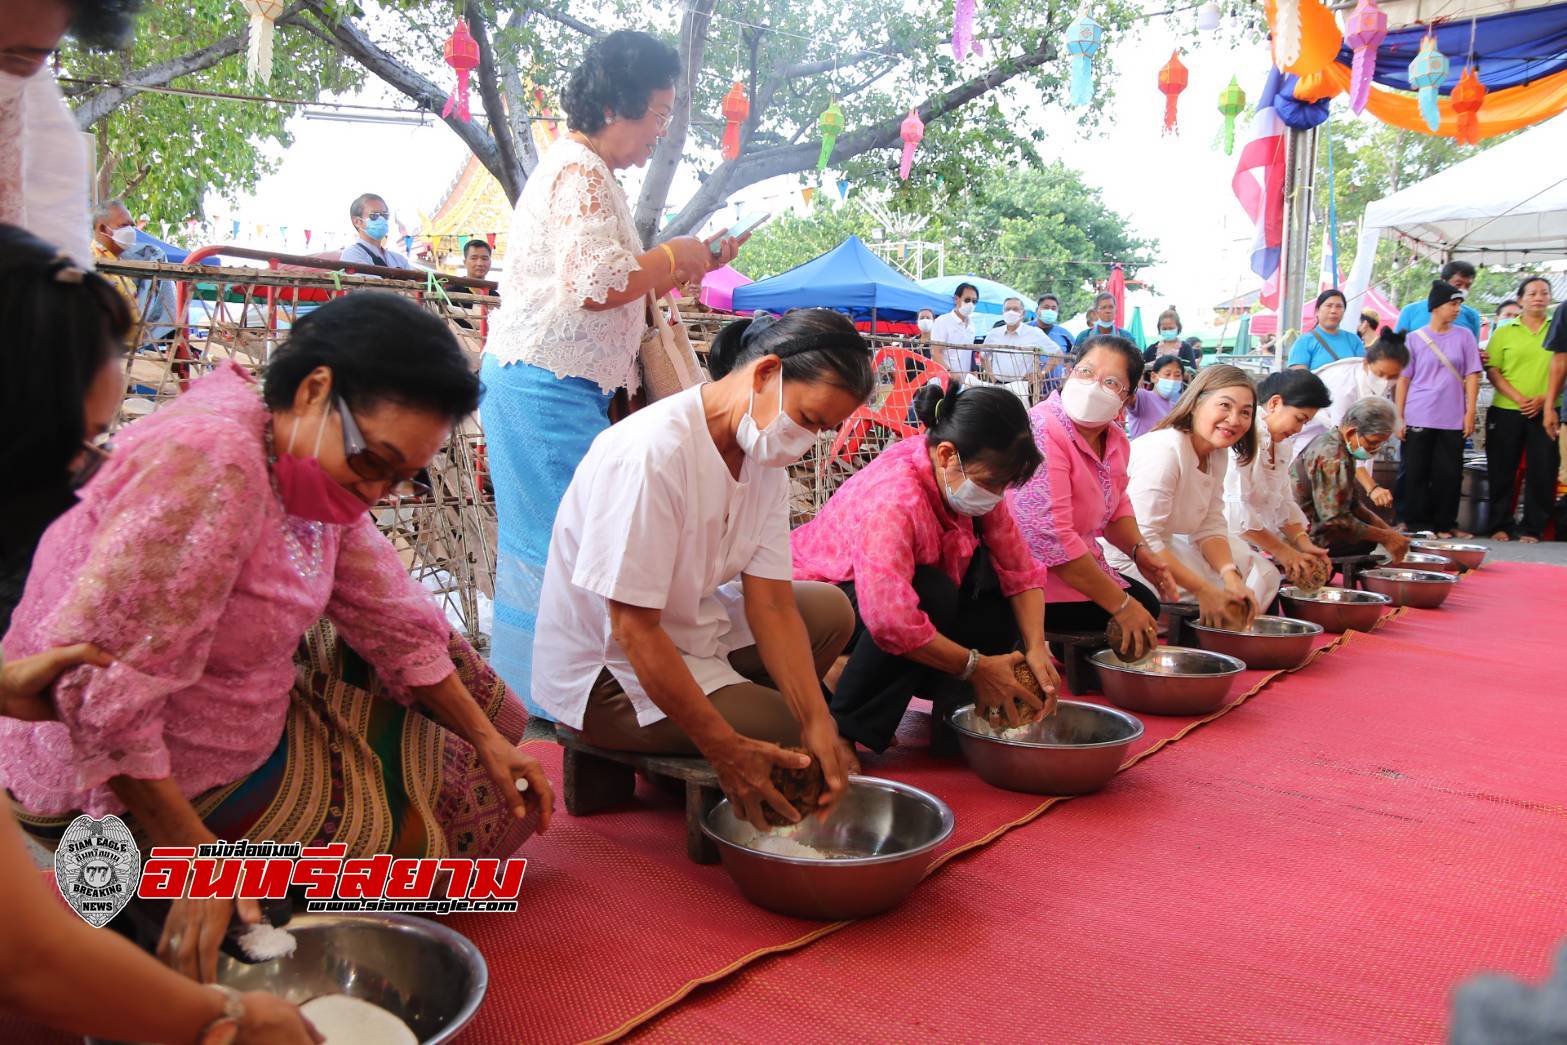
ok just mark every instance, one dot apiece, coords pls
pixel 970 667
pixel 225 1029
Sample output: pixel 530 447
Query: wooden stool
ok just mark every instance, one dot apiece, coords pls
pixel 1178 617
pixel 1351 566
pixel 1076 648
pixel 594 779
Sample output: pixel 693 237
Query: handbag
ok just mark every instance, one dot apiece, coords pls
pixel 669 364
pixel 980 582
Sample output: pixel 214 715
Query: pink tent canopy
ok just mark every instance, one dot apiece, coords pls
pixel 1264 323
pixel 718 288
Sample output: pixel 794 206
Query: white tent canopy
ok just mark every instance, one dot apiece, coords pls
pixel 1504 206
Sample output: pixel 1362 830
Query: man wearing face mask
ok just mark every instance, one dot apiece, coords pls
pixel 372 220
pixel 1026 342
pixel 1102 321
pixel 1047 313
pixel 113 235
pixel 956 329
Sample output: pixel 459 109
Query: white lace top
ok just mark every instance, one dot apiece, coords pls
pixel 572 240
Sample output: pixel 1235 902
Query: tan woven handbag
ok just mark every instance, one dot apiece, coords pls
pixel 669 364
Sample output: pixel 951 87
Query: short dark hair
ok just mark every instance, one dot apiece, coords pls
pixel 1165 360
pixel 380 347
pixel 1048 297
pixel 1514 301
pixel 103 25
pixel 356 209
pixel 1171 315
pixel 1526 281
pixel 1458 268
pixel 922 311
pixel 1121 347
pixel 957 291
pixel 62 324
pixel 1103 296
pixel 1329 294
pixel 618 73
pixel 1298 388
pixel 986 423
pixel 466 247
pixel 1388 345
pixel 816 346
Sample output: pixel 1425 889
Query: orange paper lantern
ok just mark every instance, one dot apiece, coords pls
pixel 1467 96
pixel 1172 81
pixel 736 108
pixel 1320 38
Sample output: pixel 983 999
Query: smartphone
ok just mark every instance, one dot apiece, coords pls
pixel 748 225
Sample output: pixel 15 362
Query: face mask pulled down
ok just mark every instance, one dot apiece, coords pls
pixel 781 443
pixel 307 491
pixel 1089 402
pixel 969 498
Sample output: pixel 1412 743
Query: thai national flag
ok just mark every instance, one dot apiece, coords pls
pixel 1259 185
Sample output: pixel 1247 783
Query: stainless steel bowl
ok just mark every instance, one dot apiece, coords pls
pixel 1172 680
pixel 1421 589
pixel 1336 609
pixel 880 836
pixel 1469 556
pixel 425 974
pixel 1073 752
pixel 1425 561
pixel 1271 643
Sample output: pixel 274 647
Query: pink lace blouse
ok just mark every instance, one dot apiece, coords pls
pixel 181 563
pixel 889 518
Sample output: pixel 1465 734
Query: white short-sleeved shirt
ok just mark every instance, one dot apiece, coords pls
pixel 1014 366
pixel 1170 494
pixel 653 518
pixel 1261 495
pixel 950 329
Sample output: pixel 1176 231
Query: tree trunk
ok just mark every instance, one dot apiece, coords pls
pixel 666 157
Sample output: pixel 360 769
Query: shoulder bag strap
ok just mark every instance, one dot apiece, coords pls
pixel 1432 345
pixel 1324 343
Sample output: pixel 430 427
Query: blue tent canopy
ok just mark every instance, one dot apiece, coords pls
pixel 175 255
pixel 848 278
pixel 991 293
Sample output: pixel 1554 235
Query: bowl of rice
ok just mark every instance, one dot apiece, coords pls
pixel 1072 752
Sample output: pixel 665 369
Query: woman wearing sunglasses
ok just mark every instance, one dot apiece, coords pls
pixel 219 531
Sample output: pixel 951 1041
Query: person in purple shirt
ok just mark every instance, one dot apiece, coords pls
pixel 1148 407
pixel 1436 401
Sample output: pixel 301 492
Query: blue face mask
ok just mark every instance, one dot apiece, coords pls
pixel 376 228
pixel 1108 327
pixel 1048 316
pixel 1169 387
pixel 1169 335
pixel 1359 453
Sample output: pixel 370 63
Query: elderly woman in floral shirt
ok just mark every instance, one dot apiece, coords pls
pixel 935 618
pixel 1337 513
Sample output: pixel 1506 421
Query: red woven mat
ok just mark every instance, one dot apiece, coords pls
pixel 1325 866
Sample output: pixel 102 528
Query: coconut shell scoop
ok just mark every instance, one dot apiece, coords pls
pixel 801 788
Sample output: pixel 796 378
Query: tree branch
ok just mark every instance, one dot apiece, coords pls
pixel 591 32
pixel 510 175
pixel 694 26
pixel 518 106
pixel 800 70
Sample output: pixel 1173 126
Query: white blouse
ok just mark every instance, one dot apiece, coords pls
pixel 1170 495
pixel 1261 495
pixel 654 518
pixel 43 164
pixel 572 240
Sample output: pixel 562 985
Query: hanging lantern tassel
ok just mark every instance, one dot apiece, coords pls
pixel 1232 102
pixel 1427 73
pixel 736 108
pixel 1364 31
pixel 1467 97
pixel 462 54
pixel 830 125
pixel 258 56
pixel 912 132
pixel 1286 33
pixel 1172 81
pixel 1083 38
pixel 963 42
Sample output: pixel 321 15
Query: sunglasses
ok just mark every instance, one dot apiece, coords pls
pixel 364 462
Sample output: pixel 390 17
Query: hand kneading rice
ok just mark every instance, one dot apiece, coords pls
pixel 345 1020
pixel 263 943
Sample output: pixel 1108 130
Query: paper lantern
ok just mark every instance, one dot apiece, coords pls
pixel 1467 97
pixel 1172 81
pixel 1208 16
pixel 736 108
pixel 1319 36
pixel 462 54
pixel 963 42
pixel 1364 31
pixel 912 132
pixel 843 188
pixel 830 124
pixel 1232 102
pixel 1427 73
pixel 1286 33
pixel 258 56
pixel 1083 38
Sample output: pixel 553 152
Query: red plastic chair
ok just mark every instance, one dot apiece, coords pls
pixel 910 372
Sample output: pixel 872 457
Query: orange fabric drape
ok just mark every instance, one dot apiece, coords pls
pixel 1505 110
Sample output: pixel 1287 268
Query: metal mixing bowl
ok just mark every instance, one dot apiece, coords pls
pixel 1469 556
pixel 1073 752
pixel 1172 680
pixel 1336 609
pixel 1422 589
pixel 881 834
pixel 1271 643
pixel 1425 561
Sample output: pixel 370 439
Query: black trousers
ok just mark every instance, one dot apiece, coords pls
pixel 1509 438
pixel 876 686
pixel 1434 477
pixel 1088 615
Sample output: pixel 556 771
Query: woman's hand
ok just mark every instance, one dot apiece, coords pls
pixel 745 775
pixel 1295 563
pixel 1044 670
pixel 1157 574
pixel 1241 598
pixel 1382 497
pixel 722 249
pixel 693 259
pixel 506 765
pixel 25 683
pixel 1219 607
pixel 269 1020
pixel 820 737
pixel 195 929
pixel 996 686
pixel 1139 631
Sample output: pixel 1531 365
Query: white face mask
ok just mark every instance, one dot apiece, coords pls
pixel 969 498
pixel 1012 316
pixel 125 237
pixel 781 444
pixel 1378 386
pixel 1089 402
pixel 965 309
pixel 925 325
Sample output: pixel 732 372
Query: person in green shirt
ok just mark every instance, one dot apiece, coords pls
pixel 1519 368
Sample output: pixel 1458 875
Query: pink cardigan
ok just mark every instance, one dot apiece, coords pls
pixel 1065 507
pixel 889 518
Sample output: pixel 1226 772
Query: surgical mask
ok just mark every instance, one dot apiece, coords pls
pixel 925 325
pixel 969 498
pixel 125 237
pixel 1169 387
pixel 1359 453
pixel 1048 316
pixel 307 491
pixel 1169 335
pixel 376 228
pixel 1378 386
pixel 1012 317
pixel 965 309
pixel 781 443
pixel 1089 402
pixel 1103 325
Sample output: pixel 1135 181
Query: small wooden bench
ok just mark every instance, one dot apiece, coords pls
pixel 1178 618
pixel 1076 649
pixel 595 779
pixel 1352 566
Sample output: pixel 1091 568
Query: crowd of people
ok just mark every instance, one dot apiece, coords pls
pixel 206 634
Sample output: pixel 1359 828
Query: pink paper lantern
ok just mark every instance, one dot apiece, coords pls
pixel 1364 31
pixel 912 132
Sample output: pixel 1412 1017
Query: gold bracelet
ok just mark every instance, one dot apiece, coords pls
pixel 667 249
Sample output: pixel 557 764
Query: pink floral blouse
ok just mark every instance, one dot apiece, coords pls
pixel 1064 509
pixel 889 518
pixel 180 562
